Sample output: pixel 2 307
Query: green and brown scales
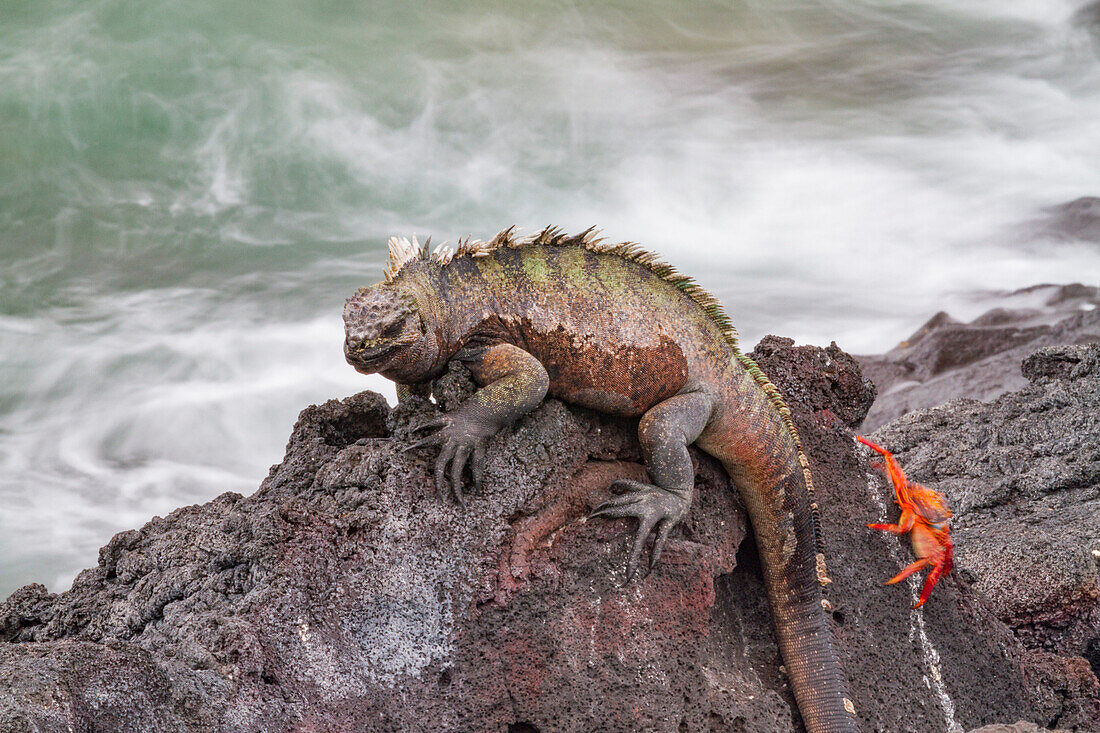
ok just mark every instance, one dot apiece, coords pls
pixel 403 251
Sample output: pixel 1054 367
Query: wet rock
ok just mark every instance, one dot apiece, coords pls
pixel 1088 16
pixel 1080 218
pixel 345 595
pixel 945 359
pixel 1023 476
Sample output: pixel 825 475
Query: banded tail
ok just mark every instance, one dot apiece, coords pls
pixel 777 489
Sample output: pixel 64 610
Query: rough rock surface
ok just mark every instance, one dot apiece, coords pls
pixel 345 596
pixel 1019 727
pixel 1023 475
pixel 945 359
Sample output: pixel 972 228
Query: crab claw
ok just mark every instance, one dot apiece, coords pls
pixel 892 468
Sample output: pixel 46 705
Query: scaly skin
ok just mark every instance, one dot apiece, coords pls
pixel 610 328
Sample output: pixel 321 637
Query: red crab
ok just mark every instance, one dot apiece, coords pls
pixel 924 512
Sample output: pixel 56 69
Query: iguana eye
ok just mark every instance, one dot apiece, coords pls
pixel 394 329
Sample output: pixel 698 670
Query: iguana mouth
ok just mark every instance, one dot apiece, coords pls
pixel 363 355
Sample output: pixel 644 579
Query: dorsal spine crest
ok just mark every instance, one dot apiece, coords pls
pixel 403 251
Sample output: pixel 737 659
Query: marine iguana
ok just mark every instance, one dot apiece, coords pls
pixel 612 328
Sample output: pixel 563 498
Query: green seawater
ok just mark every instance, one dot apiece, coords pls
pixel 189 190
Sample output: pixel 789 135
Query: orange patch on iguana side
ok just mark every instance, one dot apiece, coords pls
pixel 617 378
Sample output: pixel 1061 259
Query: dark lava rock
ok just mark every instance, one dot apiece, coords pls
pixel 1019 727
pixel 1023 476
pixel 1078 219
pixel 945 359
pixel 1088 15
pixel 346 596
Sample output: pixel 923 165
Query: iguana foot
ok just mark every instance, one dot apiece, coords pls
pixel 562 504
pixel 463 440
pixel 657 510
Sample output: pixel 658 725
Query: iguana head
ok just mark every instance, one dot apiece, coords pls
pixel 381 327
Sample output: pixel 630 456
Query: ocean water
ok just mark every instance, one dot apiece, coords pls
pixel 189 190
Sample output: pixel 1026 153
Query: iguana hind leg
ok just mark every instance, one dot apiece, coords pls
pixel 665 433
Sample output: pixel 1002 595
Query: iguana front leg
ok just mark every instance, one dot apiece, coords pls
pixel 512 384
pixel 405 391
pixel 665 433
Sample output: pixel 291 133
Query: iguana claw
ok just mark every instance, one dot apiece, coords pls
pixel 924 513
pixel 460 442
pixel 655 508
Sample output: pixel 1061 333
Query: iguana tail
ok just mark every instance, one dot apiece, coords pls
pixel 797 603
pixel 774 480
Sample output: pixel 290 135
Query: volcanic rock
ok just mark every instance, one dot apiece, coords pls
pixel 945 359
pixel 345 595
pixel 1078 219
pixel 1023 476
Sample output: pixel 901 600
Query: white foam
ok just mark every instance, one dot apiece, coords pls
pixel 171 418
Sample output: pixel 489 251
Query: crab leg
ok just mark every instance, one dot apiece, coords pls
pixel 938 569
pixel 905 524
pixel 909 570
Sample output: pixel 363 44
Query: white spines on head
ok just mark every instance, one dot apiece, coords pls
pixel 443 254
pixel 402 250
